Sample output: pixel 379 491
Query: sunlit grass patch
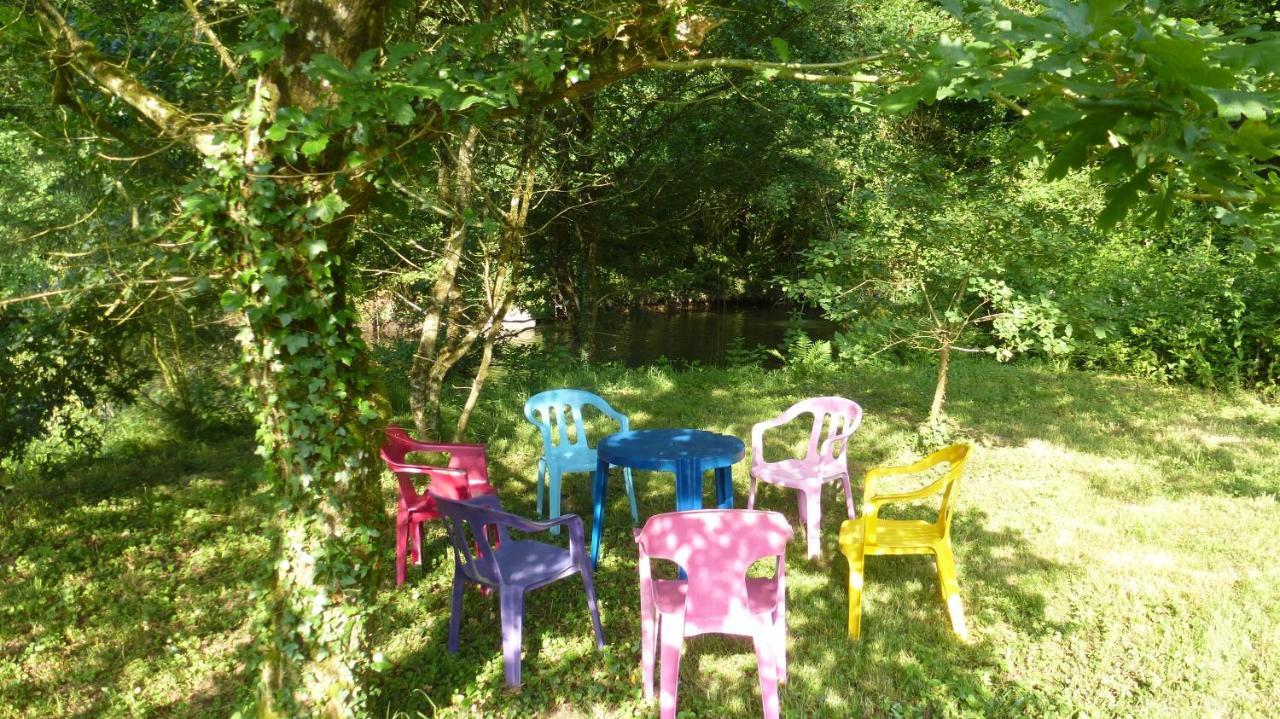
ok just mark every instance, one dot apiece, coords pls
pixel 1113 540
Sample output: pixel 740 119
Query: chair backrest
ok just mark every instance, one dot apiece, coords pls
pixel 555 411
pixel 955 455
pixel 467 522
pixel 715 547
pixel 468 457
pixel 835 415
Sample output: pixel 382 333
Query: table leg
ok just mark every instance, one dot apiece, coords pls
pixel 597 520
pixel 724 487
pixel 688 485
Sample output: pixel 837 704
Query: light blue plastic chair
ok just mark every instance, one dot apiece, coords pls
pixel 554 412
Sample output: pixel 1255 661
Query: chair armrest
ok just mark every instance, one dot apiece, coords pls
pixel 757 438
pixel 917 466
pixel 518 523
pixel 874 501
pixel 827 444
pixel 445 447
pixel 577 537
pixel 427 470
pixel 624 423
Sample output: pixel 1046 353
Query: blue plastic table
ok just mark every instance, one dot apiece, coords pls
pixel 687 453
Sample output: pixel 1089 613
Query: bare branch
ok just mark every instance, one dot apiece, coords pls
pixel 84 58
pixel 783 70
pixel 212 37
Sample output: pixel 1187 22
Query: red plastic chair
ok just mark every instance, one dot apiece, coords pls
pixel 825 459
pixel 715 547
pixel 466 476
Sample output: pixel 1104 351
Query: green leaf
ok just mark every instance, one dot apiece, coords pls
pixel 329 67
pixel 402 113
pixel 905 100
pixel 296 342
pixel 277 131
pixel 1232 103
pixel 327 208
pixel 315 145
pixel 401 50
pixel 1122 197
pixel 781 49
pixel 1069 157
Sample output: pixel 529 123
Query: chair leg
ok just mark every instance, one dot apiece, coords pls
pixel 650 622
pixel 631 495
pixel 592 607
pixel 540 481
pixel 811 514
pixel 672 639
pixel 856 577
pixel 780 640
pixel 766 660
pixel 848 497
pixel 511 601
pixel 950 588
pixel 751 493
pixel 402 547
pixel 553 497
pixel 455 615
pixel 415 534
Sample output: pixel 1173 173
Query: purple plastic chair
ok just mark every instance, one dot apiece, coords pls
pixel 513 568
pixel 825 460
pixel 716 547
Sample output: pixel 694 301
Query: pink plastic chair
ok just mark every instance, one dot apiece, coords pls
pixel 466 476
pixel 715 547
pixel 825 460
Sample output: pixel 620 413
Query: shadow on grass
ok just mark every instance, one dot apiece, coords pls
pixel 129 568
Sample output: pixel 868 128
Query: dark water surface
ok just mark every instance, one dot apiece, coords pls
pixel 643 337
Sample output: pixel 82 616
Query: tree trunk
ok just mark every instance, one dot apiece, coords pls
pixel 316 428
pixel 454 190
pixel 940 389
pixel 589 302
pixel 503 291
pixel 308 367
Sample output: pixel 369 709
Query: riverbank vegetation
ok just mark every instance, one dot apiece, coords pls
pixel 241 236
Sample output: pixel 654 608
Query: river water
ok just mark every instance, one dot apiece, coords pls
pixel 642 337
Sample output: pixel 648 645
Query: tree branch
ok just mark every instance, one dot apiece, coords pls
pixel 212 37
pixel 85 59
pixel 784 70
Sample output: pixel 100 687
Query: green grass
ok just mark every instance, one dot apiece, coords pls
pixel 1114 540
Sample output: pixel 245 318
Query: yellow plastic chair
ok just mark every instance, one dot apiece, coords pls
pixel 869 534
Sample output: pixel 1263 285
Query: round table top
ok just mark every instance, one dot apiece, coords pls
pixel 664 448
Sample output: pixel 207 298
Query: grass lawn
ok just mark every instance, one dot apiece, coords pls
pixel 1115 543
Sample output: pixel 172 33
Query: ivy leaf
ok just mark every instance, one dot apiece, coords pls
pixel 327 208
pixel 277 131
pixel 315 145
pixel 296 342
